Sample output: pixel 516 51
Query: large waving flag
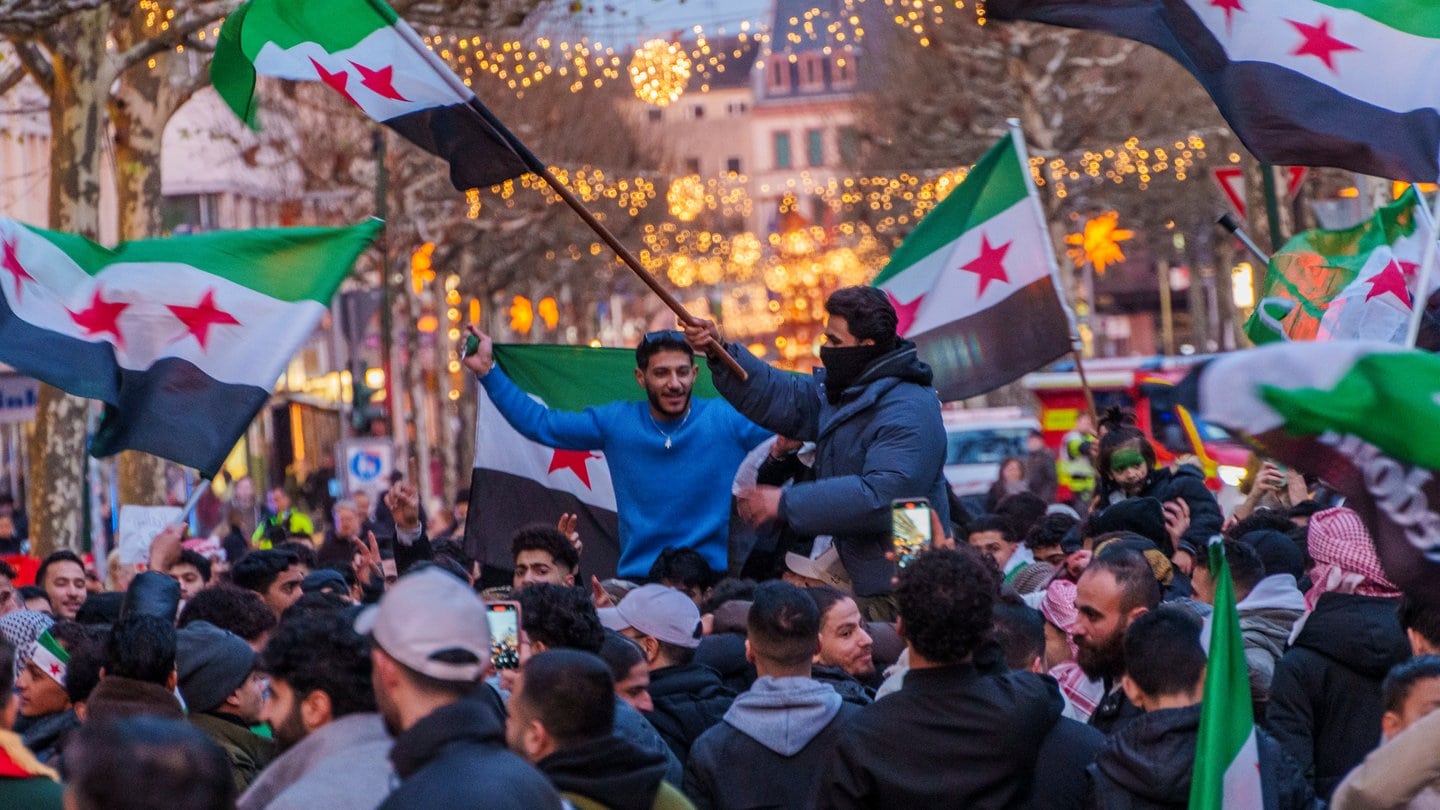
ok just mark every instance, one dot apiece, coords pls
pixel 1227 755
pixel 181 338
pixel 366 53
pixel 975 283
pixel 1352 284
pixel 1302 82
pixel 517 482
pixel 1362 417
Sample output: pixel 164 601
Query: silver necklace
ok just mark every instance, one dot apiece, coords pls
pixel 663 433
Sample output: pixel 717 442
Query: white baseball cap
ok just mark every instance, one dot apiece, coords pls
pixel 433 623
pixel 659 612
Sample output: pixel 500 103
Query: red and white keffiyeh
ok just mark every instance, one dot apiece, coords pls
pixel 1345 558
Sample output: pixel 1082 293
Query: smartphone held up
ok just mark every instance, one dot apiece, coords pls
pixel 504 620
pixel 911 529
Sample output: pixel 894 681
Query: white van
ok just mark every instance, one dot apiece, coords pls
pixel 977 440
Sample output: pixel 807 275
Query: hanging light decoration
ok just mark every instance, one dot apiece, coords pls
pixel 659 72
pixel 686 197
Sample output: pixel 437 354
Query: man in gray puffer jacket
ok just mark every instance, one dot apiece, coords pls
pixel 875 419
pixel 771 748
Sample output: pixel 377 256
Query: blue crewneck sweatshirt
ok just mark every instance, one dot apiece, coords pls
pixel 676 497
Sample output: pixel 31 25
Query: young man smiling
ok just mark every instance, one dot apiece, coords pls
pixel 665 454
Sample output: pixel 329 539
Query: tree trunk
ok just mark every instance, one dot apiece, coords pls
pixel 77 120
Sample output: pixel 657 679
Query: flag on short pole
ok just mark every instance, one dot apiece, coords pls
pixel 1352 284
pixel 975 283
pixel 1227 759
pixel 181 338
pixel 365 52
pixel 1361 417
pixel 1302 82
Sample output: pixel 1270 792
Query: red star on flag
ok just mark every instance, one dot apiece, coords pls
pixel 575 461
pixel 101 317
pixel 381 82
pixel 1229 7
pixel 11 265
pixel 337 81
pixel 198 319
pixel 55 670
pixel 904 313
pixel 990 264
pixel 1391 280
pixel 1319 43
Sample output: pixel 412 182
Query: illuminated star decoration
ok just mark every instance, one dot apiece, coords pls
pixel 1319 43
pixel 1099 243
pixel 904 313
pixel 337 81
pixel 380 82
pixel 575 462
pixel 101 317
pixel 199 318
pixel 11 264
pixel 990 264
pixel 1229 7
pixel 1391 280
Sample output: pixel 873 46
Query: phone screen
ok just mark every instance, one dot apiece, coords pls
pixel 910 529
pixel 504 619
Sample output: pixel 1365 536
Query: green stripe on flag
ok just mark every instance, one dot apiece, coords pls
pixel 1226 718
pixel 48 642
pixel 333 24
pixel 288 264
pixel 1399 387
pixel 572 378
pixel 1418 17
pixel 995 183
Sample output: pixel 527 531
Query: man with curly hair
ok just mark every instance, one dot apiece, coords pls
pixel 321 707
pixel 964 730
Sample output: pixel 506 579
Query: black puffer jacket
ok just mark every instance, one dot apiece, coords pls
pixel 1325 697
pixel 1187 483
pixel 606 770
pixel 852 690
pixel 1147 765
pixel 688 700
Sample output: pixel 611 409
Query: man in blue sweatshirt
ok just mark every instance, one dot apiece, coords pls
pixel 671 458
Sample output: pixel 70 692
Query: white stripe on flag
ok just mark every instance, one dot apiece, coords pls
pixel 498 446
pixel 1242 778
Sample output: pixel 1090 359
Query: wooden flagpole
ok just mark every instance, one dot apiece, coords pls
pixel 1017 136
pixel 538 166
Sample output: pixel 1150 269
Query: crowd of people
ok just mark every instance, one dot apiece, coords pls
pixel 1047 653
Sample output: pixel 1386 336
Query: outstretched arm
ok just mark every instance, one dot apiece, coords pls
pixel 781 403
pixel 564 430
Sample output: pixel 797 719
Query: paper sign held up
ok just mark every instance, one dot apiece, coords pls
pixel 138 527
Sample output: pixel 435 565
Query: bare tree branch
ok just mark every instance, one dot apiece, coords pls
pixel 16 75
pixel 200 16
pixel 36 63
pixel 21 19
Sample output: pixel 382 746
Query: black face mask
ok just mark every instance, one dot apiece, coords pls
pixel 845 364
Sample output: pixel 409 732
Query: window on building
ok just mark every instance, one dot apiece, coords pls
pixel 815 147
pixel 692 165
pixel 188 213
pixel 842 70
pixel 698 111
pixel 732 165
pixel 737 108
pixel 779 80
pixel 849 143
pixel 812 72
pixel 782 150
pixel 655 114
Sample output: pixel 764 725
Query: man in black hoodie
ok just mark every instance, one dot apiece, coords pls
pixel 780 732
pixel 429 646
pixel 964 731
pixel 562 720
pixel 1147 764
pixel 875 419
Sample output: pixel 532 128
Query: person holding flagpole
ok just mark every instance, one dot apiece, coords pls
pixel 667 456
pixel 875 418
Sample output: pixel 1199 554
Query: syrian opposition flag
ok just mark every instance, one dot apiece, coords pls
pixel 1227 755
pixel 1352 284
pixel 181 338
pixel 975 283
pixel 1359 416
pixel 366 53
pixel 520 482
pixel 1302 82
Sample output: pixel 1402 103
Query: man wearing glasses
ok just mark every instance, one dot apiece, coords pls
pixel 671 458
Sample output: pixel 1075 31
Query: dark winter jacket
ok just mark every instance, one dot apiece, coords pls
pixel 46 735
pixel 608 771
pixel 1062 781
pixel 852 690
pixel 770 752
pixel 1148 764
pixel 1187 483
pixel 456 758
pixel 883 441
pixel 632 727
pixel 247 751
pixel 688 699
pixel 1114 711
pixel 724 652
pixel 958 736
pixel 1325 696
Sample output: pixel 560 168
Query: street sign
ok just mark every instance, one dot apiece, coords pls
pixel 1231 180
pixel 366 465
pixel 18 396
pixel 1294 178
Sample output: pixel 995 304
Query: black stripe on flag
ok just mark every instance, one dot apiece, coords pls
pixel 502 503
pixel 459 134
